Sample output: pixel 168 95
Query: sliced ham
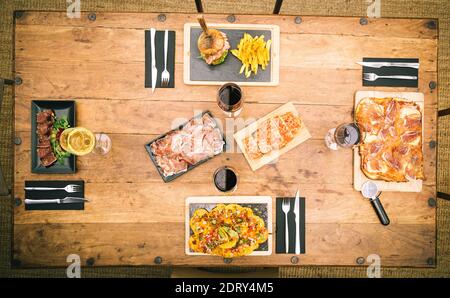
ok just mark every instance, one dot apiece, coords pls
pixel 198 140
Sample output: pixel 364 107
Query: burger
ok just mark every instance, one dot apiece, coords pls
pixel 213 46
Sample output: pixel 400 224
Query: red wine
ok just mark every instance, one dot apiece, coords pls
pixel 347 135
pixel 229 98
pixel 225 179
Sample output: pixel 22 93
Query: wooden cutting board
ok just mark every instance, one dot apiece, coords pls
pixel 261 206
pixel 197 72
pixel 301 137
pixel 358 176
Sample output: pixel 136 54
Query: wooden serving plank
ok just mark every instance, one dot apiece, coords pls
pixel 301 137
pixel 214 200
pixel 229 70
pixel 358 176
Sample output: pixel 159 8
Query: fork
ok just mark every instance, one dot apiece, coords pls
pixel 286 206
pixel 69 188
pixel 57 201
pixel 165 76
pixel 373 77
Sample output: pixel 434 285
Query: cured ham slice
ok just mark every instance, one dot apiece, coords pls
pixel 411 137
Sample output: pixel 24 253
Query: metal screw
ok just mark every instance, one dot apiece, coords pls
pixel 162 17
pixel 18 80
pixel 17 202
pixel 432 25
pixel 17 140
pixel 431 202
pixel 231 18
pixel 92 16
pixel 360 261
pixel 90 262
pixel 158 260
pixel 298 20
pixel 430 261
pixel 294 260
pixel 432 85
pixel 16 263
pixel 432 144
pixel 363 21
pixel 18 14
pixel 227 260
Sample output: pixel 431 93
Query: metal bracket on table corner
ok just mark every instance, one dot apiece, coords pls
pixel 4 190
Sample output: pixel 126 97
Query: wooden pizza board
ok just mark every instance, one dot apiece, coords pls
pixel 273 67
pixel 301 137
pixel 214 200
pixel 358 176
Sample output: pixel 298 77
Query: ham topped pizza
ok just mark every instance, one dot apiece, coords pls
pixel 391 129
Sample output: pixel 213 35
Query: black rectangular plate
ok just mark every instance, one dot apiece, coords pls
pixel 62 108
pixel 190 167
pixel 229 70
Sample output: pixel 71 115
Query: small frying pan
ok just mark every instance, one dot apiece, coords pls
pixel 370 191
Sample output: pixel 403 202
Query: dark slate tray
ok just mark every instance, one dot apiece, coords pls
pixel 229 70
pixel 190 167
pixel 62 108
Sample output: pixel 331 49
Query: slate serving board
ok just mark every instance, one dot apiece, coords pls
pixel 261 206
pixel 62 108
pixel 198 72
pixel 190 167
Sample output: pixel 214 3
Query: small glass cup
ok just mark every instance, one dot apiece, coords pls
pixel 225 179
pixel 230 99
pixel 102 144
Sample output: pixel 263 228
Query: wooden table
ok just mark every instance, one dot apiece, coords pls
pixel 134 217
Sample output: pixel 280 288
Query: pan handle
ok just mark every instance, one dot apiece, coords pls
pixel 380 211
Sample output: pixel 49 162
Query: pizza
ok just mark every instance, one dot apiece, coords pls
pixel 227 230
pixel 273 134
pixel 391 148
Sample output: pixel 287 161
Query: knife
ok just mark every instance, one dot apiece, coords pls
pixel 297 222
pixel 154 70
pixel 386 64
pixel 57 201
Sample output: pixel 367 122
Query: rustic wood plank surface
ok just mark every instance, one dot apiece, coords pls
pixel 134 216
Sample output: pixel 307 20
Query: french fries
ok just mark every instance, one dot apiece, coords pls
pixel 253 52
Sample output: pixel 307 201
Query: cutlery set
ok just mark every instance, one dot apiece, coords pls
pixel 165 75
pixel 286 206
pixel 70 188
pixel 371 77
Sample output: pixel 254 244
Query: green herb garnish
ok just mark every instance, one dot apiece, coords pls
pixel 59 126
